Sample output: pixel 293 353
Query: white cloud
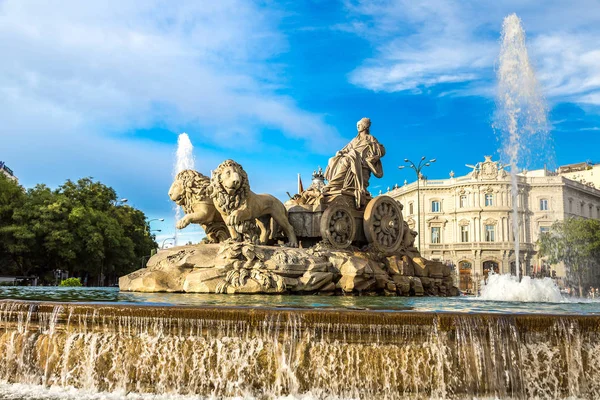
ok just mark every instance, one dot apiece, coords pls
pixel 78 77
pixel 119 66
pixel 423 44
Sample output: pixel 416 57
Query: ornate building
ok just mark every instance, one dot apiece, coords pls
pixel 467 220
pixel 7 171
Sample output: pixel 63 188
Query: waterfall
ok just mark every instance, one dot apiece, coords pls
pixel 521 117
pixel 271 353
pixel 184 159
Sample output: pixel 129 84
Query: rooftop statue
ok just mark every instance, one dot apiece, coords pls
pixel 348 172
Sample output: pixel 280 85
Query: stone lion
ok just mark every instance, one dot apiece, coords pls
pixel 238 204
pixel 191 191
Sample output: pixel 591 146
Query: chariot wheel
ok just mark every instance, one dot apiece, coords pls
pixel 338 226
pixel 383 224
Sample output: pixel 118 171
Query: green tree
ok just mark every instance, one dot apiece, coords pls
pixel 77 227
pixel 12 198
pixel 575 242
pixel 71 282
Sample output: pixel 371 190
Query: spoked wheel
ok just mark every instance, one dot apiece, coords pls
pixel 338 226
pixel 383 224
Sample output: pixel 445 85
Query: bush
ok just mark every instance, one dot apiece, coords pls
pixel 72 282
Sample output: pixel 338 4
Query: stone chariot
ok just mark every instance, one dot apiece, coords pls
pixel 340 224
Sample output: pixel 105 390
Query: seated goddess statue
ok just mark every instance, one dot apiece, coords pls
pixel 348 172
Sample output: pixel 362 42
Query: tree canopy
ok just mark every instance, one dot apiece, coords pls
pixel 576 243
pixel 78 227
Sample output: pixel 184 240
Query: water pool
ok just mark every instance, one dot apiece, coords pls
pixel 463 304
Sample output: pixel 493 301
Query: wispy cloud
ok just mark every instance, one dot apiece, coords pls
pixel 423 44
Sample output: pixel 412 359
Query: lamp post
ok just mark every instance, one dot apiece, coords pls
pixel 163 243
pixel 120 202
pixel 418 167
pixel 148 227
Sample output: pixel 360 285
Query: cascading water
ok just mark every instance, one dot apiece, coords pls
pixel 308 354
pixel 184 159
pixel 521 116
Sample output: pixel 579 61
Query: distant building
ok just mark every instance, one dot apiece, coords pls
pixel 584 172
pixel 7 171
pixel 467 220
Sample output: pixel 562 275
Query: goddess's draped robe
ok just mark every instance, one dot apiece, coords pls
pixel 350 169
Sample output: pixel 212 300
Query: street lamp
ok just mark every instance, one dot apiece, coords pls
pixel 120 202
pixel 148 224
pixel 418 167
pixel 164 241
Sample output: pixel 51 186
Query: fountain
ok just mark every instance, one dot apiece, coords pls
pixel 150 342
pixel 184 159
pixel 521 116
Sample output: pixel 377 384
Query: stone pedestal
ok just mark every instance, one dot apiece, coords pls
pixel 235 267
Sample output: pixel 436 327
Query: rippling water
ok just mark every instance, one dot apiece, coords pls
pixel 467 304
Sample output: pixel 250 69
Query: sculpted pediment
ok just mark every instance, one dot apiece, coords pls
pixel 437 220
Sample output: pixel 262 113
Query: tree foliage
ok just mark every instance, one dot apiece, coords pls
pixel 576 243
pixel 77 227
pixel 71 282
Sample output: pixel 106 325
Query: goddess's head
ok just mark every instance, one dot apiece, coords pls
pixel 363 125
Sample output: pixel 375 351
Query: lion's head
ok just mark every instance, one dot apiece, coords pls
pixel 230 185
pixel 189 187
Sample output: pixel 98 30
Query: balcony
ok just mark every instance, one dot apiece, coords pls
pixel 477 246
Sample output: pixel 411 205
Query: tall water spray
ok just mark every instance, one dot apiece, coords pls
pixel 521 117
pixel 184 159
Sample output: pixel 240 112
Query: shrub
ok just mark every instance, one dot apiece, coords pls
pixel 71 282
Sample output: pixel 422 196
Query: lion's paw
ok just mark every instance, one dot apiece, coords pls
pixel 181 224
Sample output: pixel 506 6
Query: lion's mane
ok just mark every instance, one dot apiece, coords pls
pixel 223 200
pixel 195 188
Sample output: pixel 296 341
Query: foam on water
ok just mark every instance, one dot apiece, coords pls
pixel 184 159
pixel 20 391
pixel 506 287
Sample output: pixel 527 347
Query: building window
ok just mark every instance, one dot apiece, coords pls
pixel 591 211
pixel 435 234
pixel 463 201
pixel 464 234
pixel 544 229
pixel 570 205
pixel 490 233
pixel 544 204
pixel 489 200
pixel 410 208
pixel 435 206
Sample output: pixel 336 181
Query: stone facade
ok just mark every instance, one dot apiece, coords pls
pixel 466 221
pixel 7 171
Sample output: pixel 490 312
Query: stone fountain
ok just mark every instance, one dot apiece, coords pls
pixel 332 238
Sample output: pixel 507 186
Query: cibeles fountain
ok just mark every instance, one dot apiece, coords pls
pixel 255 342
pixel 332 238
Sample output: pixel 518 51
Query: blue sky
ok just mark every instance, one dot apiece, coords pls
pixel 103 88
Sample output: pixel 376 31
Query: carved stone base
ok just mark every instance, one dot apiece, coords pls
pixel 234 267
